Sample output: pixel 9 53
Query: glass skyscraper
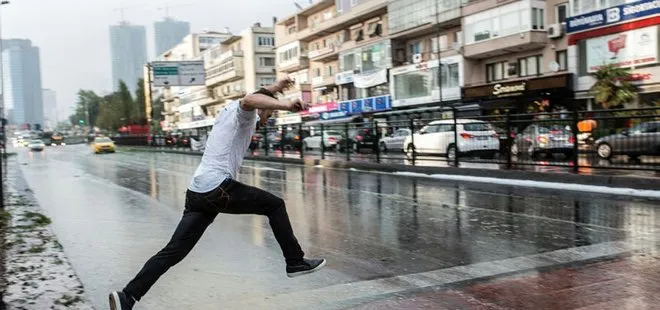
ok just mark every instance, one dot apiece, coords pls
pixel 128 45
pixel 22 82
pixel 169 33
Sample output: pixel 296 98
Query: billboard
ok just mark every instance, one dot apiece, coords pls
pixel 625 49
pixel 178 73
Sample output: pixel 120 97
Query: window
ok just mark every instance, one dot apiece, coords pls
pixel 329 71
pixel 443 42
pixel 265 41
pixel 348 62
pixel 530 66
pixel 538 18
pixel 561 12
pixel 291 30
pixel 562 60
pixel 496 71
pixel 416 47
pixel 434 45
pixel 266 61
pixel 289 54
pixel 317 72
pixel 354 2
pixel 449 75
pixel 267 81
pixel 412 85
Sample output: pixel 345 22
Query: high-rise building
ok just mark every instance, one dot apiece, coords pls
pixel 22 82
pixel 128 45
pixel 50 108
pixel 168 33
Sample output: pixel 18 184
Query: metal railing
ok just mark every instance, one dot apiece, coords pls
pixel 577 141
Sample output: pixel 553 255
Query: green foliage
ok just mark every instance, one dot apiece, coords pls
pixel 613 88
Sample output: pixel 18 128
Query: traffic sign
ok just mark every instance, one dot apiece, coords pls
pixel 192 73
pixel 165 73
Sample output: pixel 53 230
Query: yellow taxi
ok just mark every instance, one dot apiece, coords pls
pixel 103 145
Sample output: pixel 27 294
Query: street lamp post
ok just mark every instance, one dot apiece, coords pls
pixel 2 113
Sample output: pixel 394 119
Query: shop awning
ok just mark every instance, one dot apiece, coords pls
pixel 332 121
pixel 409 111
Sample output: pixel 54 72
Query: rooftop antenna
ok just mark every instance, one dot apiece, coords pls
pixel 298 6
pixel 167 8
pixel 122 11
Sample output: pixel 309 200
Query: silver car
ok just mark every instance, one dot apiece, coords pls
pixel 394 142
pixel 36 145
pixel 643 139
pixel 544 139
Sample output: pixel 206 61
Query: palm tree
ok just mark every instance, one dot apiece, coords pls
pixel 613 87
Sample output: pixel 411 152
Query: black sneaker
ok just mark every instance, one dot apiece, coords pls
pixel 121 301
pixel 304 267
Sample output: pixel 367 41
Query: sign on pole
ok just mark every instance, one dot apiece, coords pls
pixel 178 73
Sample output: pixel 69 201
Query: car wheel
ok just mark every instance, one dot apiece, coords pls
pixel 492 155
pixel 452 152
pixel 569 154
pixel 604 151
pixel 410 151
pixel 383 147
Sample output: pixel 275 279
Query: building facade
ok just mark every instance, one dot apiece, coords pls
pixel 22 82
pixel 128 47
pixel 51 116
pixel 168 33
pixel 620 32
pixel 238 65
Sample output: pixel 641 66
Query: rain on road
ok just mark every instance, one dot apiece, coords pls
pixel 111 212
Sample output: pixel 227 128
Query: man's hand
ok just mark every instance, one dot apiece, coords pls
pixel 298 105
pixel 281 85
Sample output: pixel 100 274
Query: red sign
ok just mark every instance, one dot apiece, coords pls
pixel 638 77
pixel 616 44
pixel 324 107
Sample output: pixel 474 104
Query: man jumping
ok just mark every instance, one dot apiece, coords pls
pixel 214 190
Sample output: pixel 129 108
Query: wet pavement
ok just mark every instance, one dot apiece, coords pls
pixel 381 233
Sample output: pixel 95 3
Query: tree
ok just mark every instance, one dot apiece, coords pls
pixel 613 88
pixel 140 100
pixel 87 101
pixel 126 105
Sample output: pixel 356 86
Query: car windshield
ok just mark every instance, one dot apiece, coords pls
pixel 103 140
pixel 333 133
pixel 36 142
pixel 477 127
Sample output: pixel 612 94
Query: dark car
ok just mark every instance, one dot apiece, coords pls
pixel 292 140
pixel 359 139
pixel 257 141
pixel 643 139
pixel 544 139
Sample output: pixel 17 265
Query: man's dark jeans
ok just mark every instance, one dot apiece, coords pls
pixel 200 210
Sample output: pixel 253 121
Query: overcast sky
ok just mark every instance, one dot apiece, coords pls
pixel 74 39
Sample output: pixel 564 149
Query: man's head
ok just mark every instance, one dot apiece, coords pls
pixel 264 115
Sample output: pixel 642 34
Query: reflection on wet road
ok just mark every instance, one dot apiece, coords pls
pixel 111 212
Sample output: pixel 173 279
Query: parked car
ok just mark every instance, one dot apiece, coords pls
pixel 394 141
pixel 359 139
pixel 292 140
pixel 438 138
pixel 544 139
pixel 256 142
pixel 103 145
pixel 36 145
pixel 643 139
pixel 328 140
pixel 274 139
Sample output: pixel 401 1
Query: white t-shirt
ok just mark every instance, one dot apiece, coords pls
pixel 225 148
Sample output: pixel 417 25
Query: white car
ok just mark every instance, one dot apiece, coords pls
pixel 394 142
pixel 37 145
pixel 474 137
pixel 331 138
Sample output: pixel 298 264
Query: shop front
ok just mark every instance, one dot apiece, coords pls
pixel 354 110
pixel 537 95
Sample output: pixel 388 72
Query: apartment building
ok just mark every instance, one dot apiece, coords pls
pixel 620 32
pixel 516 57
pixel 426 44
pixel 238 65
pixel 339 53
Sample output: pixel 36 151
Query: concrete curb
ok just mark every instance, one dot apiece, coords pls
pixel 642 183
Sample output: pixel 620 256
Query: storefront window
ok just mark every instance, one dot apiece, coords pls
pixel 450 76
pixel 412 85
pixel 586 6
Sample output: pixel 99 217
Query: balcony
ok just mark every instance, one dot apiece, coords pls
pixel 321 81
pixel 293 64
pixel 324 54
pixel 297 91
pixel 490 46
pixel 357 14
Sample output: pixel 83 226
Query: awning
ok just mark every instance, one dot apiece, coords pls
pixel 409 111
pixel 332 121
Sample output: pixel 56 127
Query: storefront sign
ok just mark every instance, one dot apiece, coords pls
pixel 508 90
pixel 625 49
pixel 289 119
pixel 613 15
pixel 519 88
pixel 344 77
pixel 334 115
pixel 370 79
pixel 324 107
pixel 366 105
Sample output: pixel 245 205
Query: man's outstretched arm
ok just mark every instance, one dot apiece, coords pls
pixel 265 102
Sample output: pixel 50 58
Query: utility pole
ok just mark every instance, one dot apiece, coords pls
pixel 2 116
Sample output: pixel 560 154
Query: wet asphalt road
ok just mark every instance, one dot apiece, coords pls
pixel 111 212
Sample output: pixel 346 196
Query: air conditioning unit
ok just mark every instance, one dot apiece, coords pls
pixel 417 58
pixel 555 31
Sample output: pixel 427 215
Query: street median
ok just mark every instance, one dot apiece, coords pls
pixel 566 178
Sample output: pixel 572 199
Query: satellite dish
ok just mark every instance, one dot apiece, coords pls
pixel 298 6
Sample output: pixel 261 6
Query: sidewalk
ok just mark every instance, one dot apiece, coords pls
pixel 612 181
pixel 625 283
pixel 37 273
